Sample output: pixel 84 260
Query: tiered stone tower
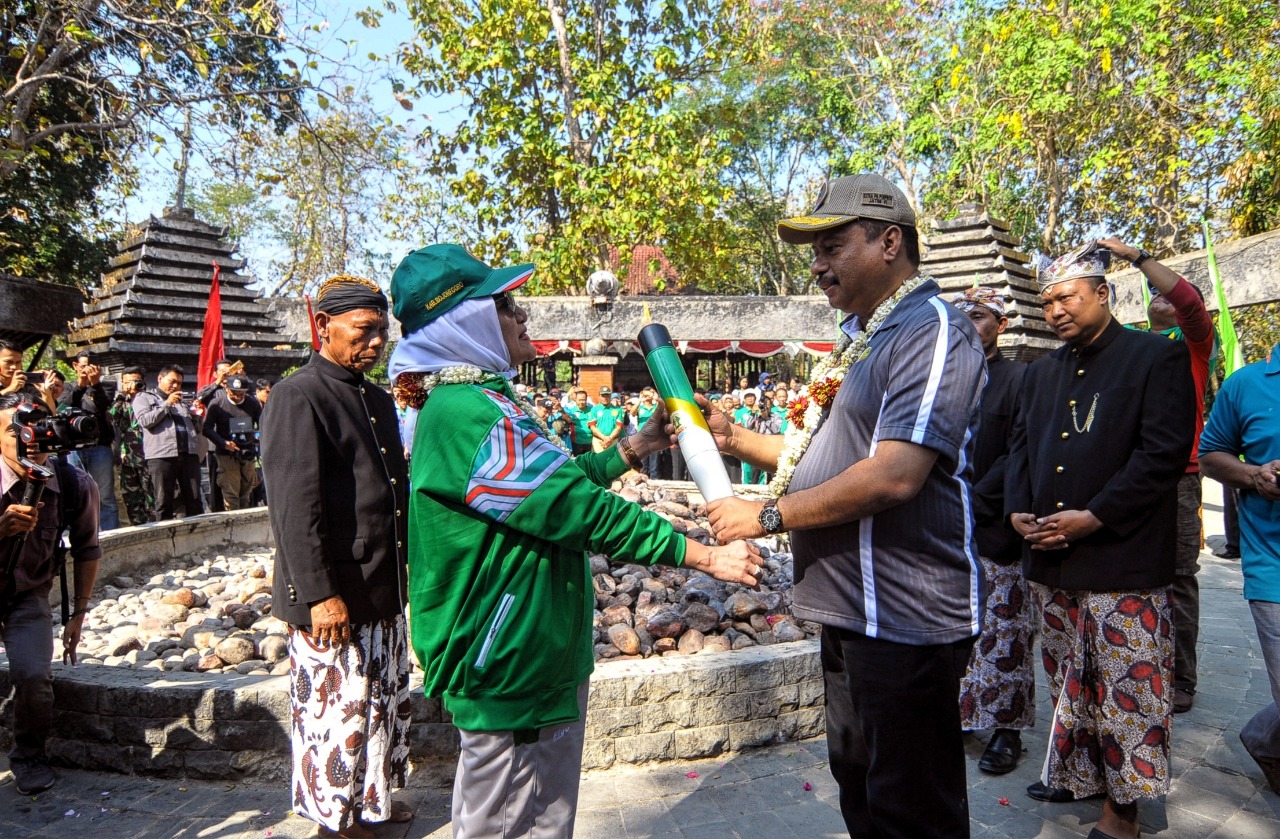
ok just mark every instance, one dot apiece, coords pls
pixel 974 245
pixel 150 308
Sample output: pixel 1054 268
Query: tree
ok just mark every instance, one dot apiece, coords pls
pixel 864 71
pixel 343 191
pixel 840 87
pixel 137 60
pixel 775 161
pixel 82 80
pixel 48 222
pixel 577 134
pixel 1119 115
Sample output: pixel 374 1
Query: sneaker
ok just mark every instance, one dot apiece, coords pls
pixel 30 777
pixel 1182 700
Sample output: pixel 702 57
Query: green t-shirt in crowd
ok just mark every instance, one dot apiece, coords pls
pixel 580 417
pixel 607 418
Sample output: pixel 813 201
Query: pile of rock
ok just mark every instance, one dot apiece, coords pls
pixel 215 615
pixel 211 617
pixel 657 610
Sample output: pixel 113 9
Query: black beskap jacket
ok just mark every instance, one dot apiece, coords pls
pixel 332 458
pixel 1124 466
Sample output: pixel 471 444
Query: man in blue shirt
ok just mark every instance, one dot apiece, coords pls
pixel 1246 423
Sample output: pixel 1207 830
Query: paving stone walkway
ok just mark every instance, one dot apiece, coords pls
pixel 774 793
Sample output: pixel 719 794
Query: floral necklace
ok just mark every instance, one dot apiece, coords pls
pixel 414 388
pixel 806 413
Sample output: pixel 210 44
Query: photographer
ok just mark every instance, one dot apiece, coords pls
pixel 231 424
pixel 12 379
pixel 89 396
pixel 24 605
pixel 223 369
pixel 170 443
pixel 47 383
pixel 135 479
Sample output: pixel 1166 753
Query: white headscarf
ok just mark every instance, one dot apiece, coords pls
pixel 469 333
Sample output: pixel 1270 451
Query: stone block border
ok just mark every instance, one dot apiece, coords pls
pixel 179 724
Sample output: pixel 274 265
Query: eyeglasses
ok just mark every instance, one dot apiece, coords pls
pixel 506 302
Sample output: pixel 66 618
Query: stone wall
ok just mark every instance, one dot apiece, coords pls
pixel 176 724
pixel 687 707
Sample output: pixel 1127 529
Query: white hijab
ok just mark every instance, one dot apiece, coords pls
pixel 469 333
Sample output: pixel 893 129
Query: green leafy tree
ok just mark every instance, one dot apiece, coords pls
pixel 775 161
pixel 49 226
pixel 864 71
pixel 81 81
pixel 1123 115
pixel 578 133
pixel 138 60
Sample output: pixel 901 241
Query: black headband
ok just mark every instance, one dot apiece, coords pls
pixel 348 297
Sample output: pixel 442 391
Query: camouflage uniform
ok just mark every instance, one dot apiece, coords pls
pixel 135 478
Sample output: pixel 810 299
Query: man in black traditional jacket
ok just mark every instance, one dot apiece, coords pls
pixel 998 691
pixel 1105 431
pixel 331 454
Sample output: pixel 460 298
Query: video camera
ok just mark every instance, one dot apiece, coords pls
pixel 40 432
pixel 241 432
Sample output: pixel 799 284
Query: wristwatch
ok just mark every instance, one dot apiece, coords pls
pixel 770 518
pixel 1142 257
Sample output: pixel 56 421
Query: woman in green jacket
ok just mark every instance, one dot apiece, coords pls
pixel 501 520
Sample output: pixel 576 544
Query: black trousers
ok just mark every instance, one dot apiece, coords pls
pixel 893 733
pixel 1231 517
pixel 176 479
pixel 1186 588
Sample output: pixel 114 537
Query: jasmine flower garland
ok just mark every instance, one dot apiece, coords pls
pixel 414 388
pixel 807 413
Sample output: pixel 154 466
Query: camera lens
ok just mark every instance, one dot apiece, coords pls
pixel 84 426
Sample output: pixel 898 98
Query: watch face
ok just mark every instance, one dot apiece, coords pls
pixel 771 519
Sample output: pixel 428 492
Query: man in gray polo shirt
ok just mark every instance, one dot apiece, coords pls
pixel 874 486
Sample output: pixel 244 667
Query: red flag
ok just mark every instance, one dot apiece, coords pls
pixel 211 346
pixel 311 318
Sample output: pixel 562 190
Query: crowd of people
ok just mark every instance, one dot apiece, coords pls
pixel 946 507
pixel 156 445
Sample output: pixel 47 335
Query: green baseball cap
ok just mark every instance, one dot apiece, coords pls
pixel 432 280
pixel 853 197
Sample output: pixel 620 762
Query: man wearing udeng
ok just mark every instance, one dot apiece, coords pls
pixel 501 518
pixel 332 457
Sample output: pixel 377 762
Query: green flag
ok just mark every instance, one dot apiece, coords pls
pixel 1232 357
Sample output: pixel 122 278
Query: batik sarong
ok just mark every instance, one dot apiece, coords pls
pixel 1109 661
pixel 350 728
pixel 999 688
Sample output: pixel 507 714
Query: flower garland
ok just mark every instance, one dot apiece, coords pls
pixel 414 388
pixel 806 413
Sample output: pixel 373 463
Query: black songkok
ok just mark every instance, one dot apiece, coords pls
pixel 345 293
